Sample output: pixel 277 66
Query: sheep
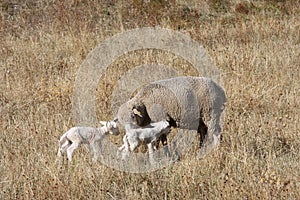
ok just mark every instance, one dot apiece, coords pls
pixel 193 103
pixel 76 136
pixel 147 134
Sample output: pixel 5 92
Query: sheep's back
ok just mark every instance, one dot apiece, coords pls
pixel 174 97
pixel 159 102
pixel 210 95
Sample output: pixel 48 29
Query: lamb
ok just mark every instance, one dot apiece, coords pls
pixel 76 136
pixel 193 103
pixel 147 134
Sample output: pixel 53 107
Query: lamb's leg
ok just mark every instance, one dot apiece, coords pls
pixel 124 148
pixel 133 143
pixel 151 153
pixel 65 145
pixel 62 148
pixel 71 149
pixel 59 154
pixel 125 145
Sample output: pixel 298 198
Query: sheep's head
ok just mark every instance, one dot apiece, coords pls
pixel 140 115
pixel 111 126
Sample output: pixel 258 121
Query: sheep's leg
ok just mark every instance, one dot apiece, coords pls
pixel 156 144
pixel 71 149
pixel 164 141
pixel 212 139
pixel 214 129
pixel 95 148
pixel 202 130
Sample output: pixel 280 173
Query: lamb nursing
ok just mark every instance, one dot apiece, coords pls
pixel 148 134
pixel 193 103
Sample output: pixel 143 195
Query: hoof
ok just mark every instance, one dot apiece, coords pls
pixel 208 147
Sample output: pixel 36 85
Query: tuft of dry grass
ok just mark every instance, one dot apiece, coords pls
pixel 255 44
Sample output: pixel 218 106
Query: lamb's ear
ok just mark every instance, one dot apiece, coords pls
pixel 136 112
pixel 103 123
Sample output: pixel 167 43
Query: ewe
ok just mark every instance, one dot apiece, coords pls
pixel 72 139
pixel 193 103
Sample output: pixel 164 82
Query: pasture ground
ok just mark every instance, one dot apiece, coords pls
pixel 255 45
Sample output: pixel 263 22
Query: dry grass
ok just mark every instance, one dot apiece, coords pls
pixel 255 45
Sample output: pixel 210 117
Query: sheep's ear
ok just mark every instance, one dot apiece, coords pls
pixel 136 112
pixel 103 123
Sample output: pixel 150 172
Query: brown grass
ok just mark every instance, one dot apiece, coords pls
pixel 255 45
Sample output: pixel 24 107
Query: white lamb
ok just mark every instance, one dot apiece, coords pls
pixel 147 134
pixel 76 136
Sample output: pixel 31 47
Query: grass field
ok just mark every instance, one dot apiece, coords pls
pixel 255 45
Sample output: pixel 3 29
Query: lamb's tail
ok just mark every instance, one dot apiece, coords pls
pixel 62 139
pixel 60 143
